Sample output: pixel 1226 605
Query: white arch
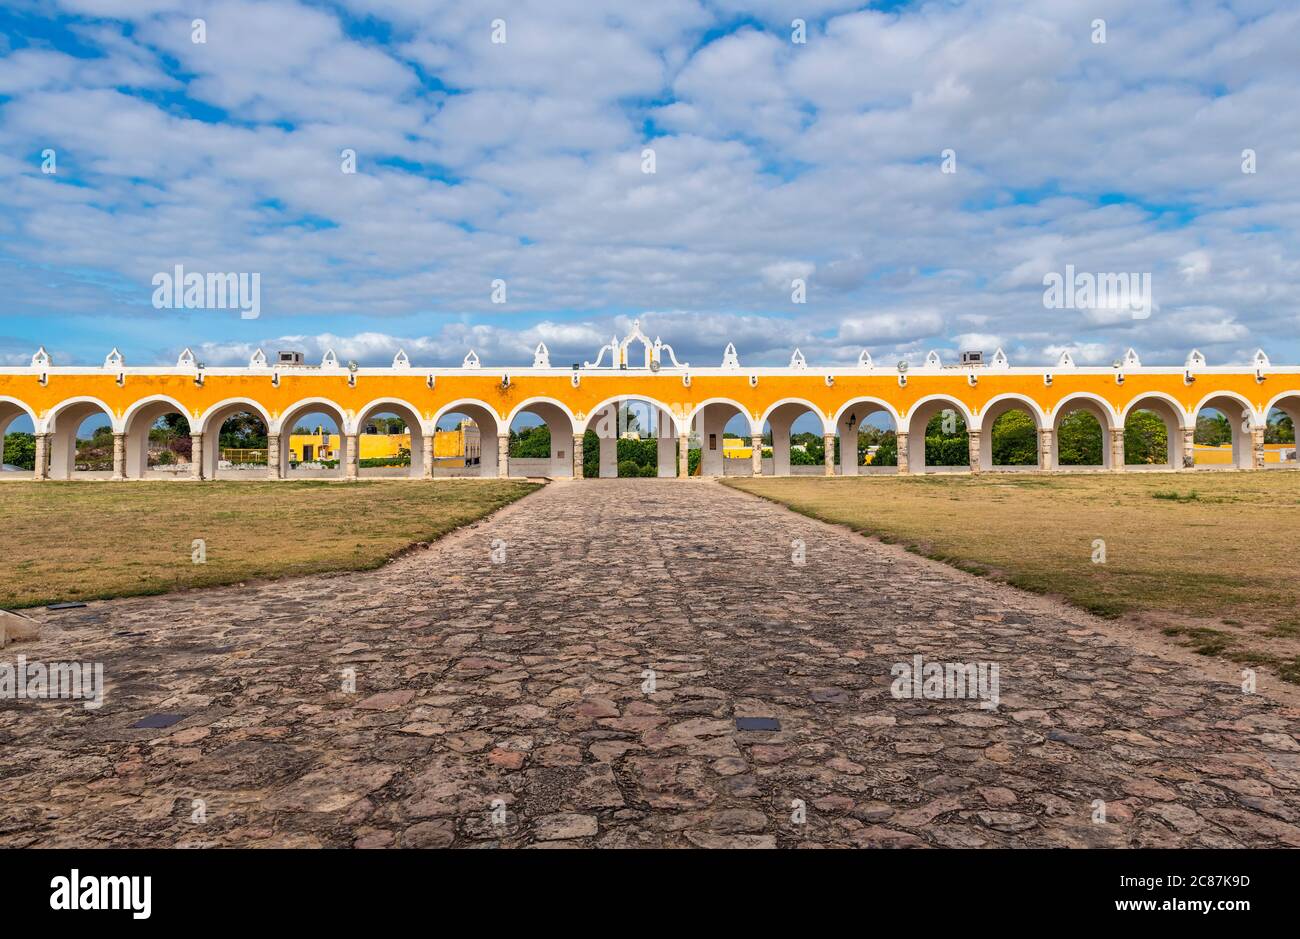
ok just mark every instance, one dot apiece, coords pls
pixel 1023 403
pixel 591 415
pixel 1159 396
pixel 378 404
pixel 310 404
pixel 960 407
pixel 1059 408
pixel 154 399
pixel 23 406
pixel 1273 403
pixel 461 403
pixel 51 417
pixel 530 402
pixel 1234 396
pixel 245 404
pixel 885 406
pixel 744 412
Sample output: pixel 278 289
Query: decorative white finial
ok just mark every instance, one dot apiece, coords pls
pixel 1131 359
pixel 400 360
pixel 1260 360
pixel 41 359
pixel 797 360
pixel 258 360
pixel 330 360
pixel 729 357
pixel 471 360
pixel 864 360
pixel 932 360
pixel 186 359
pixel 113 359
pixel 1000 360
pixel 541 356
pixel 1066 360
pixel 1195 359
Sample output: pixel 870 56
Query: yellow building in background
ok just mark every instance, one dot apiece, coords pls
pixel 307 448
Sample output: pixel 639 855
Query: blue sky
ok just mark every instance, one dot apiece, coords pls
pixel 774 160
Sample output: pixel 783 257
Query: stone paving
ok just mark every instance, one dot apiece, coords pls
pixel 503 703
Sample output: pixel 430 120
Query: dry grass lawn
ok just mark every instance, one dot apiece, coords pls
pixel 1210 558
pixel 91 540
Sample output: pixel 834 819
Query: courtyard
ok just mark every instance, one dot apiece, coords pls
pixel 633 662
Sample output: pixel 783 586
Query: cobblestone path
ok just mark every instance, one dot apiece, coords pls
pixel 519 684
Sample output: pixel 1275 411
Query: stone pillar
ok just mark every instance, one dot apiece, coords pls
pixel 1189 448
pixel 426 471
pixel 272 456
pixel 756 453
pixel 351 457
pixel 973 447
pixel 503 455
pixel 42 456
pixel 1117 449
pixel 196 455
pixel 119 456
pixel 578 456
pixel 1257 447
pixel 904 464
pixel 1045 449
pixel 828 444
pixel 684 454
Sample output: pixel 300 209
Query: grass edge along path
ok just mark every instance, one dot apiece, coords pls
pixel 1211 565
pixel 82 541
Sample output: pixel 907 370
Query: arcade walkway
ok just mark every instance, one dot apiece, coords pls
pixel 508 662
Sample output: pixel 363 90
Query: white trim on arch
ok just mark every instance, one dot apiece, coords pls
pixel 24 407
pixel 540 399
pixel 1232 396
pixel 1025 403
pixel 834 422
pixel 346 426
pixel 1160 396
pixel 957 405
pixel 1105 406
pixel 51 416
pixel 154 399
pixel 1268 408
pixel 459 403
pixel 744 412
pixel 246 404
pixel 378 404
pixel 597 409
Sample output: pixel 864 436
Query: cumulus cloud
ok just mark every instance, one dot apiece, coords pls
pixel 523 161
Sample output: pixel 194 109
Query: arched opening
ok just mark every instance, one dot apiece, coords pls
pixel 630 437
pixel 1153 435
pixel 390 442
pixel 465 440
pixel 235 442
pixel 541 441
pixel 158 442
pixel 866 439
pixel 1009 436
pixel 1279 433
pixel 793 430
pixel 313 442
pixel 1081 435
pixel 81 442
pixel 17 441
pixel 938 441
pixel 725 435
pixel 1223 437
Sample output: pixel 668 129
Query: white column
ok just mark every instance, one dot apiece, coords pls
pixel 684 454
pixel 426 471
pixel 756 453
pixel 503 455
pixel 1045 450
pixel 1117 449
pixel 119 456
pixel 828 443
pixel 904 464
pixel 196 455
pixel 578 455
pixel 272 456
pixel 973 443
pixel 351 456
pixel 42 456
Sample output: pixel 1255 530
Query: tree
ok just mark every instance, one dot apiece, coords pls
pixel 531 443
pixel 1211 431
pixel 1280 431
pixel 243 431
pixel 20 450
pixel 1015 440
pixel 1145 439
pixel 1079 440
pixel 946 441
